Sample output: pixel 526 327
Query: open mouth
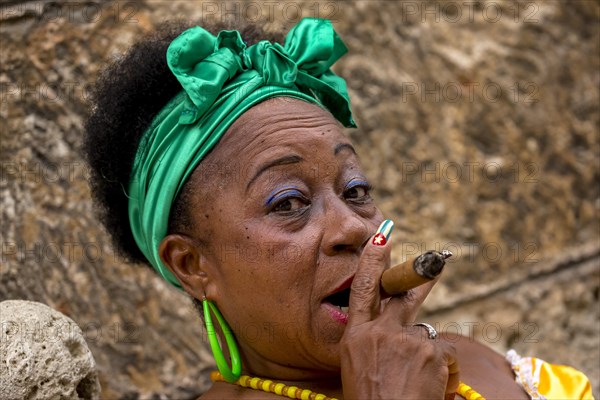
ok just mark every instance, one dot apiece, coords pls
pixel 340 299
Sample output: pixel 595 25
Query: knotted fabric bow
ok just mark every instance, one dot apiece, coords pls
pixel 221 79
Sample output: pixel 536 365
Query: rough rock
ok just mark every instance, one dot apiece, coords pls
pixel 478 126
pixel 44 355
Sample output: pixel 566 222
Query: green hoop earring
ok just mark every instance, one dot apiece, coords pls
pixel 232 374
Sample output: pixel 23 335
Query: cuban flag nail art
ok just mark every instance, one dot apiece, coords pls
pixel 383 233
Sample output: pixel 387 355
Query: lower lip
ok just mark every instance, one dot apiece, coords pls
pixel 336 313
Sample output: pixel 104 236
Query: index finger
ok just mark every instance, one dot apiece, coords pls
pixel 365 295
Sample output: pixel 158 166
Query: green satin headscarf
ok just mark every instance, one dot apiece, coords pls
pixel 221 79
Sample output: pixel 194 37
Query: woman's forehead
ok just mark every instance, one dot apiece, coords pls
pixel 277 122
pixel 275 130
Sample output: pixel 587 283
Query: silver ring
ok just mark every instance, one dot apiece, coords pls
pixel 430 329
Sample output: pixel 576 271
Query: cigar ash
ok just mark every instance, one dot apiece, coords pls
pixel 430 264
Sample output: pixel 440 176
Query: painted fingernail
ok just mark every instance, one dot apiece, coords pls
pixel 383 233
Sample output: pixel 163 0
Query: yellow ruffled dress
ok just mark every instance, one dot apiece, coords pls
pixel 542 380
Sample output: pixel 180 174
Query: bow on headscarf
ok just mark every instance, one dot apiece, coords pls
pixel 221 79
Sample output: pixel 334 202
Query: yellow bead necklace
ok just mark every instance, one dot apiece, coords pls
pixel 293 392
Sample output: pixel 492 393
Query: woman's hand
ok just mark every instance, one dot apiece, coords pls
pixel 382 355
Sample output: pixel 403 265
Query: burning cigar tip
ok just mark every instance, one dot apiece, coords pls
pixel 413 272
pixel 429 264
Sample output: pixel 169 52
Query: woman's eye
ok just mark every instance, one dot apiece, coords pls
pixel 358 191
pixel 289 204
pixel 288 200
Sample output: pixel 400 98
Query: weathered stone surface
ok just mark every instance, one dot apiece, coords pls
pixel 44 355
pixel 478 127
pixel 534 315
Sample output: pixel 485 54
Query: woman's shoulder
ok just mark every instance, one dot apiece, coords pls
pixel 496 376
pixel 473 352
pixel 485 370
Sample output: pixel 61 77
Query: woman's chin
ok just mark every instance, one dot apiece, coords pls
pixel 330 323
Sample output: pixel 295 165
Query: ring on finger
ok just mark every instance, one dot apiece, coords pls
pixel 432 333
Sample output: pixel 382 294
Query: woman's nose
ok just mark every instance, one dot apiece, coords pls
pixel 345 230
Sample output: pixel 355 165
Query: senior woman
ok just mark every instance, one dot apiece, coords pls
pixel 219 159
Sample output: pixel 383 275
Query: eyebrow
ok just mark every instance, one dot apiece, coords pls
pixel 340 146
pixel 279 161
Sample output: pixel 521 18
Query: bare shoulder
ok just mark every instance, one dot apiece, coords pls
pixel 485 370
pixel 471 351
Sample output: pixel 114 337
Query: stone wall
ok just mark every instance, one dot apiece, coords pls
pixel 479 126
pixel 36 368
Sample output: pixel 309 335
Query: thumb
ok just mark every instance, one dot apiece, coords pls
pixel 365 299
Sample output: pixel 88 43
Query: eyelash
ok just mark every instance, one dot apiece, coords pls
pixel 284 195
pixel 279 198
pixel 365 185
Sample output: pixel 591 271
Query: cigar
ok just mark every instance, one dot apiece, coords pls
pixel 413 272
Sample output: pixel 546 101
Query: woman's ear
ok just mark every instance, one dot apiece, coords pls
pixel 184 258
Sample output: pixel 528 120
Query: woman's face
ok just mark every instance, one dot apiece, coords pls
pixel 283 221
